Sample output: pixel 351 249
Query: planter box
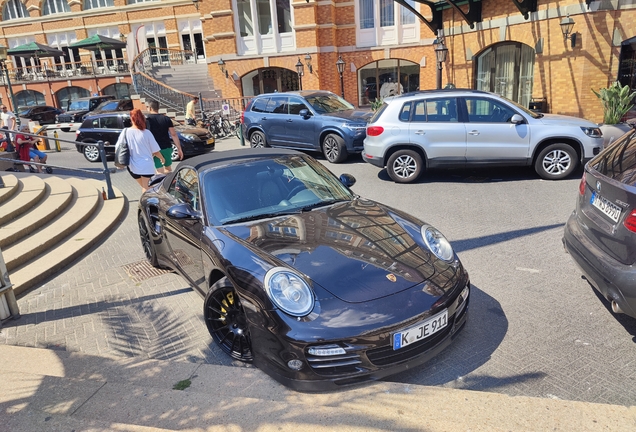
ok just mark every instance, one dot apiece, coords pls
pixel 612 132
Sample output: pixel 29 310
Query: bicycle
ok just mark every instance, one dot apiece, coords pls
pixel 217 125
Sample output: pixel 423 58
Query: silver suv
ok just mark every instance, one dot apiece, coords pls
pixel 459 128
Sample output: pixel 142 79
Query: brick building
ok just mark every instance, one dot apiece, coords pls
pixel 514 48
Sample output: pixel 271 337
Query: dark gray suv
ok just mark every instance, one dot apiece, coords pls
pixel 306 120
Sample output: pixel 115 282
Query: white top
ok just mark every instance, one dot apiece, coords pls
pixel 141 145
pixel 8 120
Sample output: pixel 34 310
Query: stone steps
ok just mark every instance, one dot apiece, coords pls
pixel 46 222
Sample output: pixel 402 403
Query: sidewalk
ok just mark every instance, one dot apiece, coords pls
pixel 45 390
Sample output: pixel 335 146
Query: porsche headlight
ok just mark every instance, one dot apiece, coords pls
pixel 437 243
pixel 289 291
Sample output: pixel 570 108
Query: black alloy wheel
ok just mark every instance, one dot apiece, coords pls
pixel 226 321
pixel 334 148
pixel 146 242
pixel 257 140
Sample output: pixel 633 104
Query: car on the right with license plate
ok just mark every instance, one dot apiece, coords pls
pixel 600 235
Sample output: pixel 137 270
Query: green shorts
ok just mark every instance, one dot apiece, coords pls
pixel 167 155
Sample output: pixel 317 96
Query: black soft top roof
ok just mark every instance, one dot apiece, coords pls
pixel 215 159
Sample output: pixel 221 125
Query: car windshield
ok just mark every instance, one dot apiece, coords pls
pixel 24 111
pixel 328 103
pixel 107 106
pixel 263 188
pixel 524 109
pixel 78 105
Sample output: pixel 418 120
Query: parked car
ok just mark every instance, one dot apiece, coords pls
pixel 111 106
pixel 107 127
pixel 306 120
pixel 318 287
pixel 460 128
pixel 600 235
pixel 43 114
pixel 79 107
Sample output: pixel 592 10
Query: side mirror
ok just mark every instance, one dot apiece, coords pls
pixel 304 113
pixel 182 211
pixel 347 179
pixel 517 119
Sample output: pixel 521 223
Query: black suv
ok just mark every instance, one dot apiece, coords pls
pixel 79 107
pixel 107 127
pixel 111 106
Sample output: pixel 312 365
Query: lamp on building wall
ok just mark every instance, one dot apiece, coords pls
pixel 122 37
pixel 196 3
pixel 308 63
pixel 440 53
pixel 340 64
pixel 221 64
pixel 3 65
pixel 566 28
pixel 300 69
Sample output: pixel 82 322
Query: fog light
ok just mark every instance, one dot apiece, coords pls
pixel 326 350
pixel 295 364
pixel 464 293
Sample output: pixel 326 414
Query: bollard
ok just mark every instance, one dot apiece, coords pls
pixel 57 142
pixel 241 137
pixel 102 155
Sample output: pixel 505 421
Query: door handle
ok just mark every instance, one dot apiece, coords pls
pixel 289 120
pixel 263 118
pixel 420 132
pixel 473 132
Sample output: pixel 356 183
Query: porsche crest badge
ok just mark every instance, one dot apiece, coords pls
pixel 391 277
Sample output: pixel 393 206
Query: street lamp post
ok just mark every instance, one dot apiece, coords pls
pixel 3 65
pixel 340 64
pixel 300 69
pixel 440 53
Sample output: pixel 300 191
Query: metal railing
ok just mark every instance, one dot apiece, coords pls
pixel 110 193
pixel 151 58
pixel 67 70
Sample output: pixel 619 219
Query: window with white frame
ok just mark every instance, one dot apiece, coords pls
pixel 96 4
pixel 384 22
pixel 265 26
pixel 22 62
pixel 51 7
pixel 14 9
pixel 71 59
pixel 107 60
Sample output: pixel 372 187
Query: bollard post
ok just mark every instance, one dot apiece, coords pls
pixel 102 155
pixel 241 137
pixel 57 141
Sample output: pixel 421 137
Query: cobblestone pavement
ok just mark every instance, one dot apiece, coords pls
pixel 536 328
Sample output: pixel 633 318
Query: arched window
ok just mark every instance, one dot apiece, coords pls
pixel 96 4
pixel 507 69
pixel 269 80
pixel 29 97
pixel 14 9
pixel 119 90
pixel 387 78
pixel 66 95
pixel 54 7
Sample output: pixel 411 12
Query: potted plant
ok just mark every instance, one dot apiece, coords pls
pixel 617 100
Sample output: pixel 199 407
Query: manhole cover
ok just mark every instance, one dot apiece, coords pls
pixel 142 270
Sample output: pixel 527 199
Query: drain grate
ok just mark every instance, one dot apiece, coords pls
pixel 142 270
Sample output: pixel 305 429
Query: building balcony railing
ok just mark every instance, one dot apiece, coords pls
pixel 67 71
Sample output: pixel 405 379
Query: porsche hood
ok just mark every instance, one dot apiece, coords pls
pixel 358 251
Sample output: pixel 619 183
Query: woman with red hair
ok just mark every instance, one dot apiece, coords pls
pixel 142 146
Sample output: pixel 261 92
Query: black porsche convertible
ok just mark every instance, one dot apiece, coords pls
pixel 317 286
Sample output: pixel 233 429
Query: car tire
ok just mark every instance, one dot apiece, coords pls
pixel 91 153
pixel 258 140
pixel 147 243
pixel 175 153
pixel 556 161
pixel 334 149
pixel 405 166
pixel 226 321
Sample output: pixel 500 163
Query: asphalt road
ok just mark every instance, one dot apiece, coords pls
pixel 536 328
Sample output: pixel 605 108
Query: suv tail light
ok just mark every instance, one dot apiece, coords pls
pixel 582 186
pixel 630 221
pixel 374 130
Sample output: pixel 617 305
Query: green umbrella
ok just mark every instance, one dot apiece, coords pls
pixel 98 42
pixel 36 50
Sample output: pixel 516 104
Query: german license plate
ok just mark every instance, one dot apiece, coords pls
pixel 210 141
pixel 611 210
pixel 421 330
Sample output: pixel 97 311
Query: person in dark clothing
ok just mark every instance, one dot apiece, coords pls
pixel 162 129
